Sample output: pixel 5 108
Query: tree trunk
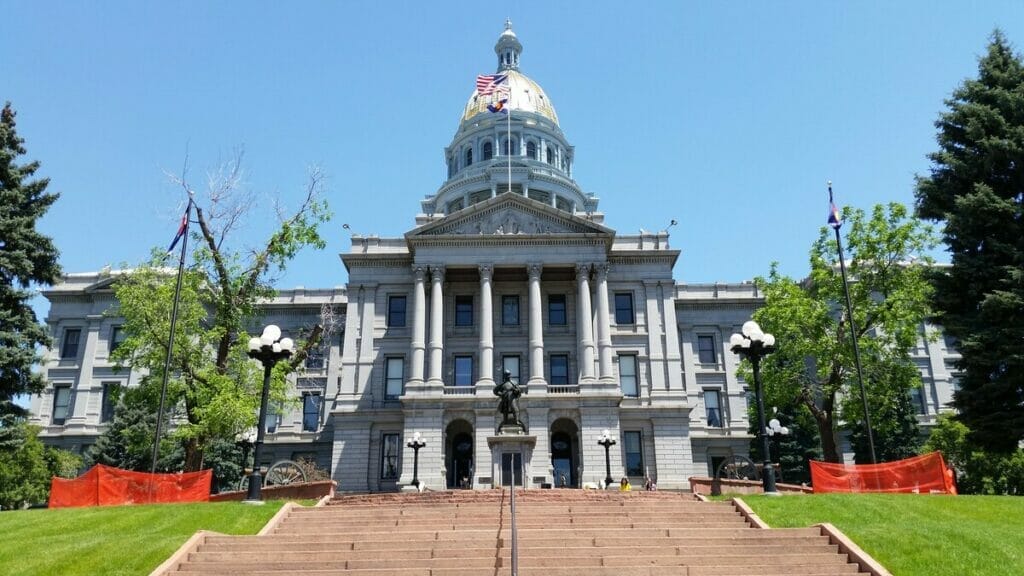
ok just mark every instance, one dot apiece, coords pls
pixel 824 418
pixel 193 455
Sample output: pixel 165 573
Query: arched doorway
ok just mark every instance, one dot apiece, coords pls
pixel 459 454
pixel 565 453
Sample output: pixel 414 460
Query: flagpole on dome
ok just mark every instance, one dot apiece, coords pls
pixel 508 118
pixel 836 222
pixel 182 235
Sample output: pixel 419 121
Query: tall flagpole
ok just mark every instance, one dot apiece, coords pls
pixel 836 224
pixel 170 340
pixel 508 115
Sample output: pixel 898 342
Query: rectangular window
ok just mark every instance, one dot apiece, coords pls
pixel 510 310
pixel 116 337
pixel 311 404
pixel 394 377
pixel 273 417
pixel 712 408
pixel 389 457
pixel 464 310
pixel 463 370
pixel 559 369
pixel 61 404
pixel 69 349
pixel 396 311
pixel 632 443
pixel 627 375
pixel 315 357
pixel 706 349
pixel 917 399
pixel 110 395
pixel 511 364
pixel 624 308
pixel 556 309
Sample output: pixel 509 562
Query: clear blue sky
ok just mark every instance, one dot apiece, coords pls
pixel 727 116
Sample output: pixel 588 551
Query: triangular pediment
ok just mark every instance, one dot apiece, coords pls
pixel 509 214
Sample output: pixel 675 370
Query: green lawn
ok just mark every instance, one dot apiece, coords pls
pixel 914 535
pixel 114 540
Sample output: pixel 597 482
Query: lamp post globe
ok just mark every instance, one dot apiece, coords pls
pixel 269 349
pixel 753 344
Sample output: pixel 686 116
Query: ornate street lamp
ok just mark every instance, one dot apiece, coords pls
pixel 753 344
pixel 775 431
pixel 416 444
pixel 269 349
pixel 607 441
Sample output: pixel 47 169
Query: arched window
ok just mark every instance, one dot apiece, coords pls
pixel 469 156
pixel 506 145
pixel 488 150
pixel 531 150
pixel 549 155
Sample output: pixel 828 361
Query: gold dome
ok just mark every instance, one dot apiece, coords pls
pixel 525 96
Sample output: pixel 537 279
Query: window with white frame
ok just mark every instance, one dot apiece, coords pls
pixel 627 375
pixel 510 363
pixel 311 403
pixel 396 311
pixel 394 377
pixel 706 353
pixel 632 444
pixel 559 367
pixel 713 407
pixel 389 456
pixel 69 348
pixel 463 370
pixel 61 404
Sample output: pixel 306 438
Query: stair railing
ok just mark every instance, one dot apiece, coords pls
pixel 515 543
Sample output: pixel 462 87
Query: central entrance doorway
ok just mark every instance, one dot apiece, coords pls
pixel 459 455
pixel 565 453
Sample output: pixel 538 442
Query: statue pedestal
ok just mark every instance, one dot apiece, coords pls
pixel 511 453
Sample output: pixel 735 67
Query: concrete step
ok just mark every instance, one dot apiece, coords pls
pixel 527 571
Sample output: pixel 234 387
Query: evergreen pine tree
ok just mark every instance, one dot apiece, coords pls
pixel 26 257
pixel 976 187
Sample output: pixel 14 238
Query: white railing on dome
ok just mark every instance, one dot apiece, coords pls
pixel 459 390
pixel 564 389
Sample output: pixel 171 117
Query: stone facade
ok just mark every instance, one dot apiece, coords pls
pixel 508 266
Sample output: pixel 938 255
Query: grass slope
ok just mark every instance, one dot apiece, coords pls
pixel 114 540
pixel 915 535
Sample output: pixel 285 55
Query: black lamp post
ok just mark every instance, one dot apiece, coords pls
pixel 416 444
pixel 607 441
pixel 776 430
pixel 269 349
pixel 753 344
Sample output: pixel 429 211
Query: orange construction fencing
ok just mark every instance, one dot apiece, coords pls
pixel 925 474
pixel 105 486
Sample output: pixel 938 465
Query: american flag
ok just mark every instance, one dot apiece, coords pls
pixel 487 83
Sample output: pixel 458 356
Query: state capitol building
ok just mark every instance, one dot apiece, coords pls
pixel 509 267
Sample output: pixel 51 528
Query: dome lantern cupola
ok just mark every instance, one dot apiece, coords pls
pixel 508 49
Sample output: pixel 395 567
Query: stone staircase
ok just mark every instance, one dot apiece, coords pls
pixel 560 533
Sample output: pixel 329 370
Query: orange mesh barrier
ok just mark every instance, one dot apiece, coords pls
pixel 925 474
pixel 106 486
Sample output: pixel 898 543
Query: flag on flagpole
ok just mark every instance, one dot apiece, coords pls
pixel 834 220
pixel 181 229
pixel 498 106
pixel 486 84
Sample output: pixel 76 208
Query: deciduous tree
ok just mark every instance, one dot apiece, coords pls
pixel 813 365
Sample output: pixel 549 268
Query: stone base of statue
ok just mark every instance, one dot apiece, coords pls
pixel 511 453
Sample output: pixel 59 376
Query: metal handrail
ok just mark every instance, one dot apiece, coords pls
pixel 515 543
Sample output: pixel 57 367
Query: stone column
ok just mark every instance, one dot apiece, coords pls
pixel 486 331
pixel 604 331
pixel 419 325
pixel 584 328
pixel 536 326
pixel 436 324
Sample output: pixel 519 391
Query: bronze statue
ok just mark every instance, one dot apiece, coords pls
pixel 508 393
